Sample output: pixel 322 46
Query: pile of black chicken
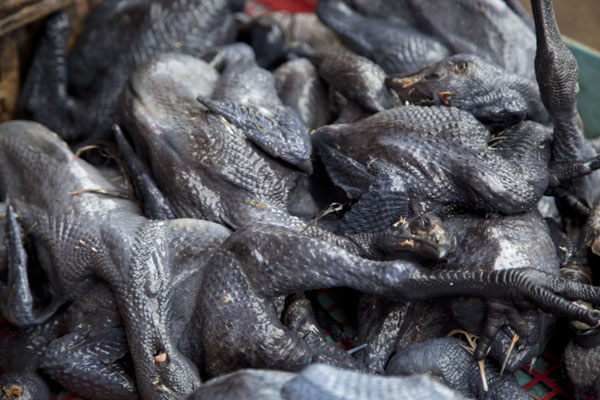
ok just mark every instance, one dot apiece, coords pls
pixel 424 158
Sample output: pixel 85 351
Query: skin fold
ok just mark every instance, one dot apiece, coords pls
pixel 246 275
pixel 120 232
pixel 137 257
pixel 84 348
pixel 447 359
pixel 496 98
pixel 406 36
pixel 482 244
pixel 76 95
pixel 429 157
pixel 499 242
pixel 204 271
pixel 319 381
pixel 396 47
pixel 205 174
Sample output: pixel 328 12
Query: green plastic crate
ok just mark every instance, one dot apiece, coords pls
pixel 589 85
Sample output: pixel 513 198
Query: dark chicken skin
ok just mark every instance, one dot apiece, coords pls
pixel 83 348
pixel 27 385
pixel 300 87
pixel 320 381
pixel 447 360
pixel 393 45
pixel 140 259
pixel 418 160
pixel 247 272
pixel 496 98
pixel 413 160
pixel 114 248
pixel 205 173
pixel 76 94
pixel 256 265
pixel 357 78
pixel 82 236
pixel 557 74
pixel 495 243
pixel 482 244
pixel 404 36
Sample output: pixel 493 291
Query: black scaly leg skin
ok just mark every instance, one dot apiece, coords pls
pixel 281 134
pixel 154 203
pixel 89 236
pixel 255 265
pixel 561 171
pixel 44 95
pixel 445 358
pixel 567 198
pixel 557 75
pixel 91 367
pixel 16 297
pixel 498 315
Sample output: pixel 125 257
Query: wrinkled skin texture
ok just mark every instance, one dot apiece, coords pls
pixel 445 358
pixel 320 381
pixel 212 181
pixel 493 96
pixel 120 36
pixel 205 173
pixel 493 31
pixel 240 327
pixel 88 236
pixel 389 326
pixel 245 96
pixel 83 348
pixel 395 47
pixel 557 75
pixel 410 36
pixel 500 242
pixel 482 244
pixel 417 159
pixel 580 364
